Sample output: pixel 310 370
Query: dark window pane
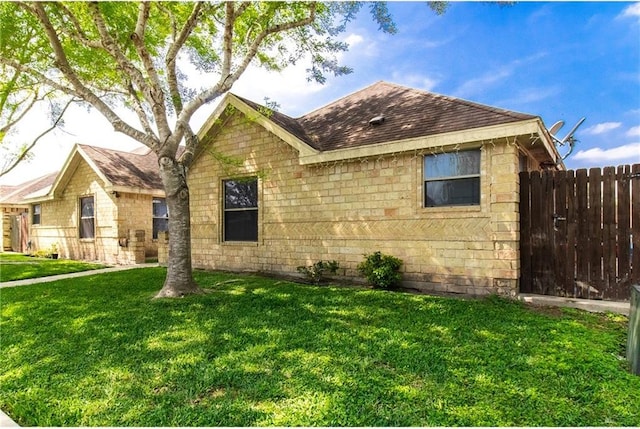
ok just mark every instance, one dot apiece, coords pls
pixel 240 194
pixel 36 214
pixel 462 163
pixel 453 192
pixel 86 228
pixel 86 207
pixel 160 207
pixel 160 224
pixel 241 225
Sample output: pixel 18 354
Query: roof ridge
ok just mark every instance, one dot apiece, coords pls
pixel 104 149
pixel 343 97
pixel 512 113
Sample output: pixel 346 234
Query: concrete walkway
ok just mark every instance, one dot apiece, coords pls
pixel 592 305
pixel 74 275
pixel 6 422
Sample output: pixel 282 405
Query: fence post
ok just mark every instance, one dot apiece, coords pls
pixel 633 337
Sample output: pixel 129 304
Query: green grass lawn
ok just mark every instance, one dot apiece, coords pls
pixel 15 266
pixel 98 351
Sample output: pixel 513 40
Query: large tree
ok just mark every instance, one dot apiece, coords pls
pixel 125 56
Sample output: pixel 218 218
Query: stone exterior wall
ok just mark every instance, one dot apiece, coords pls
pixel 123 223
pixel 343 210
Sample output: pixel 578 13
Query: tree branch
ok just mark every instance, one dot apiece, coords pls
pixel 170 61
pixel 78 35
pixel 13 164
pixel 156 94
pixel 79 89
pixel 226 81
pixel 253 50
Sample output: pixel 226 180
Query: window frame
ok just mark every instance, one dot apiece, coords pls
pixel 225 211
pixel 476 175
pixel 155 231
pixel 34 214
pixel 82 218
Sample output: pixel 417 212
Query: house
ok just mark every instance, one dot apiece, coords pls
pixel 104 205
pixel 15 221
pixel 430 179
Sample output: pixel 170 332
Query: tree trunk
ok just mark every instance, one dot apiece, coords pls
pixel 179 281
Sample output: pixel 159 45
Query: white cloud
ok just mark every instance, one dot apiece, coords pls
pixel 633 132
pixel 602 128
pixel 629 153
pixel 525 96
pixel 414 80
pixel 479 85
pixel 631 11
pixel 353 40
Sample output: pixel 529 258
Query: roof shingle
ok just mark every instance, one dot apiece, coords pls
pixel 128 169
pixel 408 113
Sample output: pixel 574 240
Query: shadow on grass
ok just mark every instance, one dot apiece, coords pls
pixel 261 352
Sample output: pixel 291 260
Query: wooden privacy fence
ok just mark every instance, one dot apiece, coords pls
pixel 580 232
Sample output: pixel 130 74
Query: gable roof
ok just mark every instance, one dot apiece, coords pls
pixel 32 188
pixel 126 169
pixel 133 172
pixel 413 120
pixel 408 113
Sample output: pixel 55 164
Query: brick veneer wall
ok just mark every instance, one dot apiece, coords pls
pixel 344 210
pixel 118 222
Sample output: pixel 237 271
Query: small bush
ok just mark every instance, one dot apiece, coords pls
pixel 42 253
pixel 382 271
pixel 315 272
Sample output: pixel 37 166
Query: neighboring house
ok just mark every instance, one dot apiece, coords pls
pixel 430 179
pixel 15 212
pixel 104 205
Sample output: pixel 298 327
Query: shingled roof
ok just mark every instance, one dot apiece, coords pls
pixel 128 169
pixel 407 119
pixel 407 113
pixel 38 186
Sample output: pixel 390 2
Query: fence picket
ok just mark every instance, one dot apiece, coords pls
pixel 595 233
pixel 577 228
pixel 609 238
pixel 635 222
pixel 624 229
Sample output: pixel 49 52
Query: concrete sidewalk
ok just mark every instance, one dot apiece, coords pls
pixel 74 275
pixel 592 305
pixel 6 421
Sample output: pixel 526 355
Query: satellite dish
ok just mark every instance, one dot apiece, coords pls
pixel 556 127
pixel 569 138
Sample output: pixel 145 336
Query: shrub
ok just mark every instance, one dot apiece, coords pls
pixel 382 271
pixel 315 272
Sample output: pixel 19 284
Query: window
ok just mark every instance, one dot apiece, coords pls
pixel 35 218
pixel 87 218
pixel 241 210
pixel 160 216
pixel 452 179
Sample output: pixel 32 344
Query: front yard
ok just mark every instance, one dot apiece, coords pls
pixel 15 266
pixel 98 351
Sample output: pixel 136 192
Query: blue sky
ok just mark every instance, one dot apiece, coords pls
pixel 557 60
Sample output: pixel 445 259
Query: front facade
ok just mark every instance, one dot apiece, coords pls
pixel 342 182
pixel 105 205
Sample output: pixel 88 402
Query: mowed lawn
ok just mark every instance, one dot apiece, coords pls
pixel 15 266
pixel 98 351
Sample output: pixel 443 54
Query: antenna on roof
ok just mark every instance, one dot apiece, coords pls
pixel 568 139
